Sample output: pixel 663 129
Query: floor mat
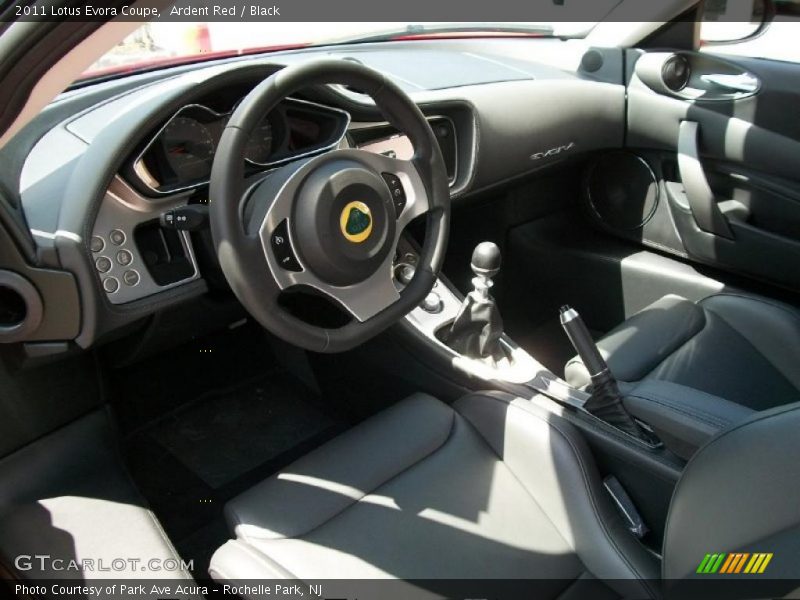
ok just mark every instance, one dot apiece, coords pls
pixel 225 434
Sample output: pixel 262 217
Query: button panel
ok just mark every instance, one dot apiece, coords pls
pixel 110 285
pixel 397 191
pixel 103 264
pixel 117 237
pixel 432 303
pixel 124 258
pixel 122 211
pixel 131 277
pixel 282 248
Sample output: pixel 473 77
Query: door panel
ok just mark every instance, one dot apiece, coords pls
pixel 728 144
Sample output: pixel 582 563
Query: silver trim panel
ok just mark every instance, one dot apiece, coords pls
pixel 124 209
pixel 367 298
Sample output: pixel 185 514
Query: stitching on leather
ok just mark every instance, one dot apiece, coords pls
pixel 699 415
pixel 624 441
pixel 365 494
pixel 262 557
pixel 680 346
pixel 590 492
pixel 592 497
pixel 741 334
pixel 677 349
pixel 783 308
pixel 689 332
pixel 689 410
pixel 517 479
pixel 163 535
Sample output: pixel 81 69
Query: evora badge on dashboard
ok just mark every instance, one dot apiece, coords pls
pixel 552 151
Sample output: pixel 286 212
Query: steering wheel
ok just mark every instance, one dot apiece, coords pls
pixel 329 223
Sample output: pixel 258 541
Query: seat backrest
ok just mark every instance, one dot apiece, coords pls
pixel 740 494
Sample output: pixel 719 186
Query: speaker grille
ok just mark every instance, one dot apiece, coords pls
pixel 622 190
pixel 676 73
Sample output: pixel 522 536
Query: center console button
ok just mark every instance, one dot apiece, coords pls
pixel 432 303
pixel 282 248
pixel 117 237
pixel 405 273
pixel 124 258
pixel 110 284
pixel 103 264
pixel 131 277
pixel 97 244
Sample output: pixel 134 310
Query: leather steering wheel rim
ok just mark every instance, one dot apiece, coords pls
pixel 240 232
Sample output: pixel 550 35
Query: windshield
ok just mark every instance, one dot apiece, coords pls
pixel 162 43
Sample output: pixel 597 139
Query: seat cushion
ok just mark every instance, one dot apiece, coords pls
pixel 491 490
pixel 68 497
pixel 745 349
pixel 739 494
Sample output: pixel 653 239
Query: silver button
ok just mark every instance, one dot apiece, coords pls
pixel 405 274
pixel 130 277
pixel 124 258
pixel 103 264
pixel 117 237
pixel 110 285
pixel 97 244
pixel 432 303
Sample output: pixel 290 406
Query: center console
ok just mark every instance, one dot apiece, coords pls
pixel 641 437
pixel 432 320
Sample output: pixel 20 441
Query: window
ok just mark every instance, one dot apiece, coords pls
pixel 725 20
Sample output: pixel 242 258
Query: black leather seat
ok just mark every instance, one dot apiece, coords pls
pixel 745 349
pixel 498 488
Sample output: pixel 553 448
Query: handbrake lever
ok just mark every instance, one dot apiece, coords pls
pixel 605 401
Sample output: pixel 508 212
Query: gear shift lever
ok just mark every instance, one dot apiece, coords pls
pixel 477 329
pixel 486 262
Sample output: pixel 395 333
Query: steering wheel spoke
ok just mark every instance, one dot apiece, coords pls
pixel 405 185
pixel 363 300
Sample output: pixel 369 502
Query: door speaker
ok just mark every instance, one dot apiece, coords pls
pixel 20 307
pixel 622 190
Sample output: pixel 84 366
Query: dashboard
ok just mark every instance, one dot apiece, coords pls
pixel 133 149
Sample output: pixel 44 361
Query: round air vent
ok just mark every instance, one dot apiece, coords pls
pixel 622 190
pixel 20 307
pixel 676 72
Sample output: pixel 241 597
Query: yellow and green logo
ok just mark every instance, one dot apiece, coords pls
pixel 734 563
pixel 356 222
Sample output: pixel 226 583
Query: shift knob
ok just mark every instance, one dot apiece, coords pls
pixel 486 260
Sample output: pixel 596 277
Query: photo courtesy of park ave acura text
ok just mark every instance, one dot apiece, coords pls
pixel 419 300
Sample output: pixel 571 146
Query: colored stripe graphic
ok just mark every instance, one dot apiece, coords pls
pixel 703 564
pixel 715 566
pixel 740 563
pixel 727 563
pixel 730 564
pixel 735 563
pixel 763 566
